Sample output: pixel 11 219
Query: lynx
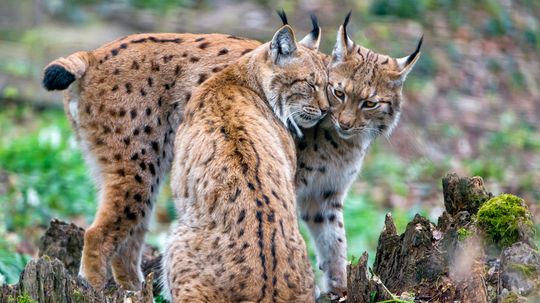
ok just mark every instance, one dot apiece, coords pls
pixel 125 108
pixel 237 238
pixel 364 91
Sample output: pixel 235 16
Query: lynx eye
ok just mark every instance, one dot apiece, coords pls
pixel 339 94
pixel 369 104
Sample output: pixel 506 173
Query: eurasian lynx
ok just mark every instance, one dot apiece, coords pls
pixel 237 238
pixel 365 96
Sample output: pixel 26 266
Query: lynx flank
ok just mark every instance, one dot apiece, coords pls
pixel 237 238
pixel 365 97
pixel 125 109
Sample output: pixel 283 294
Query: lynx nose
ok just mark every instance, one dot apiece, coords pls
pixel 345 125
pixel 324 110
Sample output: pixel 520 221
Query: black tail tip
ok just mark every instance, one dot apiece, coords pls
pixel 56 77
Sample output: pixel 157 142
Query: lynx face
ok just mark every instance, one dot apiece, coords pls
pixel 365 88
pixel 296 79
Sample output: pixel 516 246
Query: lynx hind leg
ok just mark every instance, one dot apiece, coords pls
pixel 122 210
pixel 324 219
pixel 126 198
pixel 126 262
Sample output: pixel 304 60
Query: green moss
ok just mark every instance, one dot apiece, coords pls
pixel 500 218
pixel 512 297
pixel 24 298
pixel 78 296
pixel 463 234
pixel 527 270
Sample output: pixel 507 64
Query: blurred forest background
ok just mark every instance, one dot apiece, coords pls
pixel 472 103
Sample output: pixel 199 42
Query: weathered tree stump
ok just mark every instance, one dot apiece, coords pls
pixel 53 276
pixel 447 262
pixel 46 280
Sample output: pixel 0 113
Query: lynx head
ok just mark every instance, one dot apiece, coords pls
pixel 293 77
pixel 364 87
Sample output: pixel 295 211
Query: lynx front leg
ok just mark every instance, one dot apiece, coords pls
pixel 324 219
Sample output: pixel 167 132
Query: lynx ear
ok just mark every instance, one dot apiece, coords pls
pixel 313 39
pixel 344 44
pixel 406 64
pixel 283 45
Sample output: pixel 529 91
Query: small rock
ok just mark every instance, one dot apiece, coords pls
pixel 520 268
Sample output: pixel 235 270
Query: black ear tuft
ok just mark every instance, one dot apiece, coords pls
pixel 283 17
pixel 57 78
pixel 315 24
pixel 413 55
pixel 345 23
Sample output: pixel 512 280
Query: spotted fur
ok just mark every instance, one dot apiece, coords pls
pixel 330 155
pixel 237 238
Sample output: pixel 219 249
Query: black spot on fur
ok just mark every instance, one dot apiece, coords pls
pixel 241 216
pixel 155 146
pixel 137 197
pixel 129 214
pixel 204 45
pixel 327 194
pixel 246 51
pixel 142 40
pixel 128 88
pixel 134 157
pixel 57 77
pixel 114 52
pixel 202 78
pixel 318 218
pixel 147 129
pixel 222 52
pixel 133 113
pixel 194 59
pixel 199 39
pixel 138 178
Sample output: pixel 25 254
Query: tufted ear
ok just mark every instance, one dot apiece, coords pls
pixel 283 44
pixel 406 64
pixel 313 39
pixel 344 44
